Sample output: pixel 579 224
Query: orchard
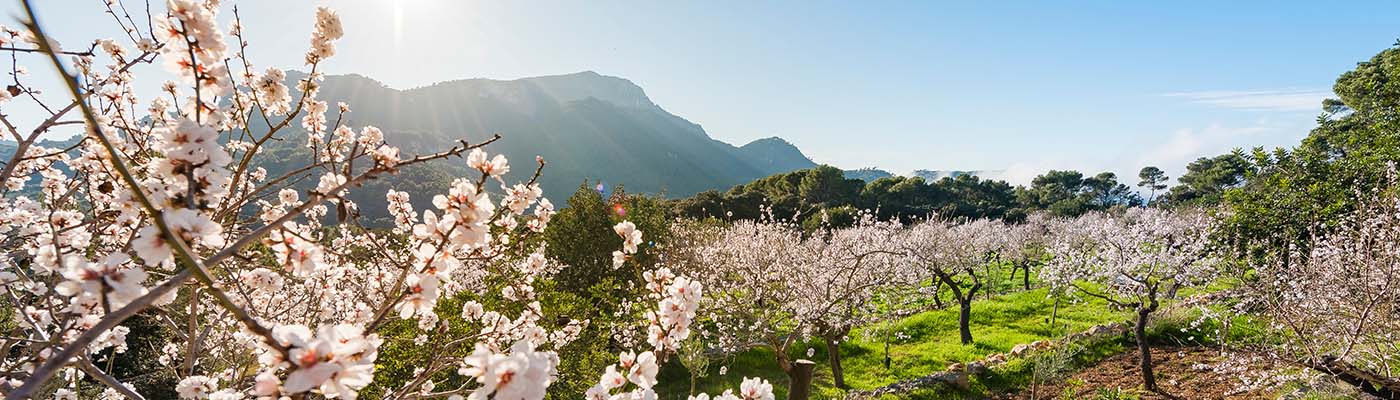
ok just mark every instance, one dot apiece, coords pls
pixel 163 242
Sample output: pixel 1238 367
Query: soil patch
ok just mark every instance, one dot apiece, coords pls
pixel 1179 372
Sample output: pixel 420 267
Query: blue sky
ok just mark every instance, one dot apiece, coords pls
pixel 1015 86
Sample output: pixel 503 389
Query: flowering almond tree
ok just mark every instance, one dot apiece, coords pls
pixel 838 291
pixel 748 269
pixel 1335 305
pixel 160 208
pixel 769 286
pixel 953 254
pixel 1025 245
pixel 1131 261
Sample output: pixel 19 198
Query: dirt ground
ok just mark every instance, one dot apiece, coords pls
pixel 1176 368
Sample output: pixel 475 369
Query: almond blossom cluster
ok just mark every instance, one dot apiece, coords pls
pixel 749 389
pixel 337 360
pixel 631 237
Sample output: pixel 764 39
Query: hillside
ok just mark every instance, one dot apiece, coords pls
pixel 587 126
pixel 867 174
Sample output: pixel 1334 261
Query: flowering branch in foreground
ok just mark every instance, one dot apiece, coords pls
pixel 161 208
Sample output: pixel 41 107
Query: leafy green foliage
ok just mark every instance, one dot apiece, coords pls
pixel 1070 193
pixel 1207 179
pixel 1344 160
pixel 805 193
pixel 1153 179
pixel 582 238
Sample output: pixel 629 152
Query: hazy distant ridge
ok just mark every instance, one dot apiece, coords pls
pixel 870 173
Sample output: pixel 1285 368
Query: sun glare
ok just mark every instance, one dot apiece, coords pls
pixel 398 21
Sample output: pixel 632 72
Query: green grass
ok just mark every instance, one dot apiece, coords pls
pixel 931 345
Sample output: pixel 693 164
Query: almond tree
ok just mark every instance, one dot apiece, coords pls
pixel 1025 245
pixel 769 286
pixel 1335 304
pixel 953 254
pixel 1131 261
pixel 838 291
pixel 748 270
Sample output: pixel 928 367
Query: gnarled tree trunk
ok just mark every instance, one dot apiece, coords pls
pixel 965 320
pixel 964 303
pixel 1149 381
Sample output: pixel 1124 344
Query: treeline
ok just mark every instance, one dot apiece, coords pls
pixel 825 193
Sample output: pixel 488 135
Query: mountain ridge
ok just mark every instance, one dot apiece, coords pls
pixel 588 127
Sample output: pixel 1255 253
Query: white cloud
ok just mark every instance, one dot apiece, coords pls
pixel 1185 145
pixel 1020 173
pixel 1170 151
pixel 1259 100
pixel 1188 144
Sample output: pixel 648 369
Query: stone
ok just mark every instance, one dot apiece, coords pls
pixel 1020 349
pixel 956 379
pixel 997 358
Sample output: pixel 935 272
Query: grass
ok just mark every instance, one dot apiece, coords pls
pixel 929 344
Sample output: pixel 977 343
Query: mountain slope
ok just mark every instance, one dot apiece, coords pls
pixel 775 154
pixel 585 125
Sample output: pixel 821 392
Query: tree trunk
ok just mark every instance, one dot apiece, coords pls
pixel 938 295
pixel 1369 382
pixel 889 331
pixel 800 380
pixel 965 319
pixel 1054 312
pixel 887 352
pixel 1149 382
pixel 1026 277
pixel 833 352
pixel 964 303
pixel 783 362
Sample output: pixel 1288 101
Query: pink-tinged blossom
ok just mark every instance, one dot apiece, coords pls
pixel 196 387
pixel 631 237
pixel 494 167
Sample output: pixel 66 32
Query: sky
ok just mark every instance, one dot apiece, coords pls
pixel 1017 87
